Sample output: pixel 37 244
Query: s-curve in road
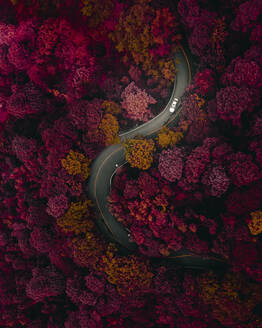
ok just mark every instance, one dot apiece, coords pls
pixel 182 80
pixel 113 157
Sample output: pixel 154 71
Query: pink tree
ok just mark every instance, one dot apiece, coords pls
pixel 86 115
pixel 25 100
pixel 243 73
pixel 171 164
pixel 42 239
pixel 242 169
pixel 241 202
pixel 232 101
pixel 216 180
pixel 20 52
pixel 247 14
pixel 7 33
pixel 57 205
pixel 45 283
pixel 256 147
pixel 254 54
pixel 135 101
pixel 204 82
pixel 196 163
pixel 24 148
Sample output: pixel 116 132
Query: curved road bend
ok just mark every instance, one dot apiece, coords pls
pixel 106 164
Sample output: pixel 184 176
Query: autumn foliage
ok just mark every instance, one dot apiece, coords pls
pixel 76 163
pixel 139 152
pixel 110 127
pixel 75 75
pixel 127 273
pixel 255 225
pixel 167 137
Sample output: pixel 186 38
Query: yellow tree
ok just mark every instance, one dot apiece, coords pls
pixel 231 298
pixel 255 225
pixel 76 163
pixel 77 218
pixel 87 249
pixel 167 137
pixel 111 107
pixel 110 127
pixel 98 11
pixel 139 152
pixel 143 34
pixel 132 34
pixel 83 240
pixel 128 273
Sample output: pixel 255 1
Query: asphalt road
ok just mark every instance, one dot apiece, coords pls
pixel 112 157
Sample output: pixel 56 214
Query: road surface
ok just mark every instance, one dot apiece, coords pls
pixel 113 157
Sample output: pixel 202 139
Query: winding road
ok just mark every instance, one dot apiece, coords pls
pixel 113 157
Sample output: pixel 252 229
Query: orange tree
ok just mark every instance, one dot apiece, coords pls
pixel 77 218
pixel 167 137
pixel 143 34
pixel 139 152
pixel 83 240
pixel 231 299
pixel 97 11
pixel 110 127
pixel 76 163
pixel 255 225
pixel 111 107
pixel 128 273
